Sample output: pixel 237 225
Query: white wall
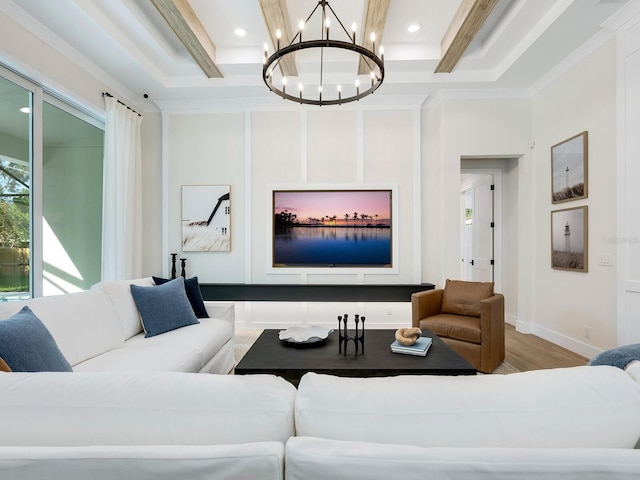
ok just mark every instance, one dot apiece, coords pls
pixel 206 149
pixel 152 200
pixel 568 303
pixel 261 150
pixel 457 129
pixel 628 238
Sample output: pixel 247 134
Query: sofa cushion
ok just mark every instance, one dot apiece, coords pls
pixel 27 346
pixel 463 298
pixel 205 339
pixel 321 459
pixel 557 408
pixel 262 460
pixel 3 366
pixel 192 287
pixel 149 358
pixel 120 295
pixel 144 408
pixel 163 308
pixel 83 324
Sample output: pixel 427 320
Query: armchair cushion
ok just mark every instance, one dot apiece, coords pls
pixel 463 328
pixel 463 298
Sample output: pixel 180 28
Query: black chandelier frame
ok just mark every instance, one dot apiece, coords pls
pixel 296 44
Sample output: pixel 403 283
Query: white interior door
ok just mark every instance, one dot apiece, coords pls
pixel 467 234
pixel 483 225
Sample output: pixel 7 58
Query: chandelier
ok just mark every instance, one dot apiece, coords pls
pixel 323 88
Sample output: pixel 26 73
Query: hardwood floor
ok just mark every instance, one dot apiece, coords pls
pixel 528 352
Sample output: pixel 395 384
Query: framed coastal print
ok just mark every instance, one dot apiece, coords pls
pixel 569 239
pixel 569 161
pixel 206 218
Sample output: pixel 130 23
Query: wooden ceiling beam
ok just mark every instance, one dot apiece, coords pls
pixel 185 23
pixel 375 18
pixel 465 25
pixel 276 17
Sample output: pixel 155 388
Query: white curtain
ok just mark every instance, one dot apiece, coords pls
pixel 122 195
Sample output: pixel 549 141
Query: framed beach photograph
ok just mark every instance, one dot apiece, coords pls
pixel 332 228
pixel 569 239
pixel 206 218
pixel 569 161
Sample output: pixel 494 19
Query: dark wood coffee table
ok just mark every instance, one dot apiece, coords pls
pixel 269 355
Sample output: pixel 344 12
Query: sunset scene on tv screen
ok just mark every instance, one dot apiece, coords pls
pixel 346 228
pixel 334 208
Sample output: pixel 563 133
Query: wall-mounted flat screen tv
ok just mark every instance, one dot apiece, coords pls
pixel 332 228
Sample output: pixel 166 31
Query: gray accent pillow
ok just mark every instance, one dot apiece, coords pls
pixel 27 346
pixel 164 307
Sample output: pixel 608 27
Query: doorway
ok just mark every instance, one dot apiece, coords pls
pixel 478 228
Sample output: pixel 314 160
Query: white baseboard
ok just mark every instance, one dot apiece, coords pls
pixel 524 327
pixel 511 319
pixel 564 341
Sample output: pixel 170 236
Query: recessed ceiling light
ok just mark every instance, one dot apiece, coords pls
pixel 25 109
pixel 414 27
pixel 241 32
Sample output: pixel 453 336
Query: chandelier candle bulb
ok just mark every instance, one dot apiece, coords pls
pixel 284 85
pixel 381 53
pixel 339 92
pixel 353 30
pixel 327 24
pixel 278 35
pixel 372 78
pixel 373 42
pixel 301 27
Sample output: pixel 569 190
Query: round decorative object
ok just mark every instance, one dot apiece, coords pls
pixel 304 335
pixel 408 336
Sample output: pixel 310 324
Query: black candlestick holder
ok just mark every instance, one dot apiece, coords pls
pixel 183 262
pixel 344 338
pixel 173 265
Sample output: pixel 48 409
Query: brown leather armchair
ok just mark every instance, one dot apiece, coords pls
pixel 468 316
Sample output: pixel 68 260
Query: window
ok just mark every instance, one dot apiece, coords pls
pixel 50 193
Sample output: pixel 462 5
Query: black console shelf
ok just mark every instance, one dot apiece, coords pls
pixel 310 293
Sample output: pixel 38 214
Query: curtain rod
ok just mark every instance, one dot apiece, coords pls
pixel 107 94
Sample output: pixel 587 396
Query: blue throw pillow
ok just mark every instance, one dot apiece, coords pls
pixel 163 308
pixel 27 346
pixel 192 287
pixel 618 357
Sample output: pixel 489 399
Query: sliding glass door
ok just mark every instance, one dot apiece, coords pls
pixel 71 201
pixel 51 157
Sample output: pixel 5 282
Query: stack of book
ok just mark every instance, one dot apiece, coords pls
pixel 419 348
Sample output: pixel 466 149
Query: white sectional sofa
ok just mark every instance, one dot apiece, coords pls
pixel 575 423
pixel 143 426
pixel 100 330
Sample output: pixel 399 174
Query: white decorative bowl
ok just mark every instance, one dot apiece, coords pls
pixel 310 334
